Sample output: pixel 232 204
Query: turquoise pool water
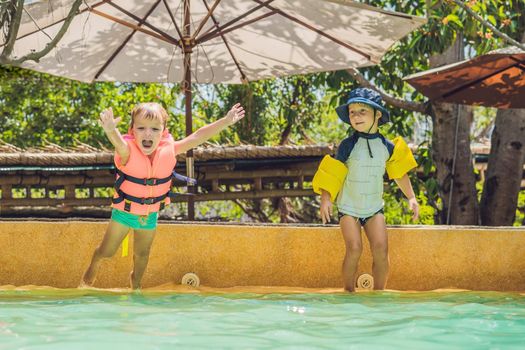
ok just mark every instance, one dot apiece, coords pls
pixel 379 320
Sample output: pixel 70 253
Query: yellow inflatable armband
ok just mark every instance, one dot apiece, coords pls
pixel 401 161
pixel 329 176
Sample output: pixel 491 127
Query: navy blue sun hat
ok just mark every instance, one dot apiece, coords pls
pixel 367 96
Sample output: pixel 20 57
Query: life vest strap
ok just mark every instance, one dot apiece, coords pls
pixel 146 200
pixel 146 182
pixel 153 181
pixel 186 179
pixel 140 200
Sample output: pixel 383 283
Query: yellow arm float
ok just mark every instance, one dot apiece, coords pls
pixel 402 160
pixel 329 176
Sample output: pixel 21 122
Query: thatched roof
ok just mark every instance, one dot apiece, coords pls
pixel 82 154
pixel 86 155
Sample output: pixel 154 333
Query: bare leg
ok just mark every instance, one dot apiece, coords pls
pixel 352 235
pixel 115 233
pixel 375 229
pixel 141 248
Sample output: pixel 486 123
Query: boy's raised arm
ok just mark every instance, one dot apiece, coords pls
pixel 109 124
pixel 200 136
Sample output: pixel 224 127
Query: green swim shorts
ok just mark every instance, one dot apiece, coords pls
pixel 134 221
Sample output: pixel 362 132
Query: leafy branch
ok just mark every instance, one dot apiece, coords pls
pixel 11 16
pixel 488 25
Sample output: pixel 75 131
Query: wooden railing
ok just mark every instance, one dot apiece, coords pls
pixel 64 181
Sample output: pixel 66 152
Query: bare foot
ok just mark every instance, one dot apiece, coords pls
pixel 134 285
pixel 84 285
pixel 87 280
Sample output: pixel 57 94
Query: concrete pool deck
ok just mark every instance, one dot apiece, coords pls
pixel 56 253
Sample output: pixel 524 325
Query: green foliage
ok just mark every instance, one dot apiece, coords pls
pixel 520 210
pixel 397 211
pixel 254 97
pixel 483 121
pixel 37 107
pixel 279 111
pixel 219 211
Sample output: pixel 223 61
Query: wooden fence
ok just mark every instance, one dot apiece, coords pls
pixel 62 180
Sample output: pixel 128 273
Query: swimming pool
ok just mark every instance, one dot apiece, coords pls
pixel 77 319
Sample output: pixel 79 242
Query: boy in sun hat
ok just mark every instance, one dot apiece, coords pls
pixel 354 179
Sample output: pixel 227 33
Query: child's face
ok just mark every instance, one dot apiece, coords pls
pixel 362 117
pixel 148 133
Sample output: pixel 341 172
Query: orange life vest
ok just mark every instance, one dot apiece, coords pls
pixel 143 186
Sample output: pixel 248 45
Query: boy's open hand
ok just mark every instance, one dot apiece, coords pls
pixel 235 114
pixel 414 206
pixel 106 120
pixel 326 207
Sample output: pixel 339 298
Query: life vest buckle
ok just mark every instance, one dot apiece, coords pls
pixel 150 182
pixel 147 201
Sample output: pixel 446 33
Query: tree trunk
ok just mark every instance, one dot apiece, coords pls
pixel 452 155
pixel 505 169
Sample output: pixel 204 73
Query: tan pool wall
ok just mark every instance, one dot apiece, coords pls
pixel 421 258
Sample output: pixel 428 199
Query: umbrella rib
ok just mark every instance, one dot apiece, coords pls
pixel 205 19
pixel 240 25
pixel 173 19
pixel 243 76
pixel 171 39
pixel 317 30
pixel 218 29
pixel 479 80
pixel 161 35
pixel 135 27
pixel 117 51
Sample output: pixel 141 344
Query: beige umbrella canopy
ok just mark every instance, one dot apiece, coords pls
pixel 207 41
pixel 496 79
pixel 145 41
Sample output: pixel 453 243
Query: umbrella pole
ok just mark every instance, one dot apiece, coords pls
pixel 188 97
pixel 189 130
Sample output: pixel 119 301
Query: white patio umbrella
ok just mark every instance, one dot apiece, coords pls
pixel 219 41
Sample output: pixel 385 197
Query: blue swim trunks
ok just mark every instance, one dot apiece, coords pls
pixel 141 222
